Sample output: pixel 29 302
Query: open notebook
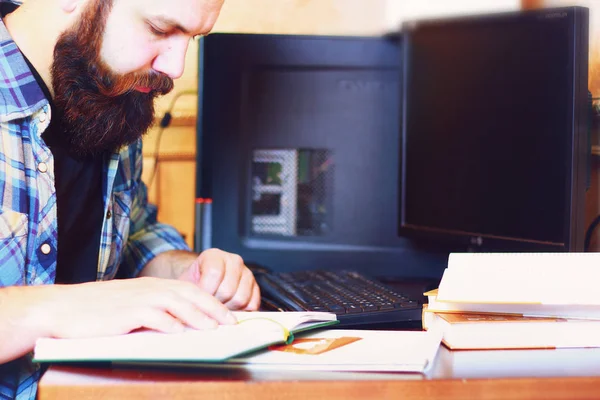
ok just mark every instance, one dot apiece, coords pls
pixel 339 350
pixel 254 331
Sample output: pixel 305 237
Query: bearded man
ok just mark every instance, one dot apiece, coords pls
pixel 79 78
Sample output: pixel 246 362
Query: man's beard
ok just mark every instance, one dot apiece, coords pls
pixel 98 110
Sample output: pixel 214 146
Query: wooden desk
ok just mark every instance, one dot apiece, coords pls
pixel 530 374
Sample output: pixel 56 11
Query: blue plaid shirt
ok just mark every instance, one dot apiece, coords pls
pixel 131 236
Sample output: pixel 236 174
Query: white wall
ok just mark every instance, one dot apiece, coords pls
pixel 406 10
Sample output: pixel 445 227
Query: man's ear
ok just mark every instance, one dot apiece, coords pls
pixel 71 6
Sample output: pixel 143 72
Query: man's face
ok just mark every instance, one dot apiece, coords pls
pixel 110 66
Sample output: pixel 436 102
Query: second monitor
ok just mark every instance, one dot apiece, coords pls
pixel 495 135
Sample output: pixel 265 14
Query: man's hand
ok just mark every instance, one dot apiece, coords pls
pixel 225 276
pixel 119 306
pixel 102 308
pixel 217 272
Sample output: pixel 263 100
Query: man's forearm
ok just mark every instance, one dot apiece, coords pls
pixel 21 320
pixel 169 265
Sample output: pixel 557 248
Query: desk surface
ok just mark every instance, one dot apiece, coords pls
pixel 516 374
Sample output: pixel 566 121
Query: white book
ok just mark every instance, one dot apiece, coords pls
pixel 588 312
pixel 471 331
pixel 486 364
pixel 536 284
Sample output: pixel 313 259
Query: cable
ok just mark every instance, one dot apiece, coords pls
pixel 164 123
pixel 596 221
pixel 589 232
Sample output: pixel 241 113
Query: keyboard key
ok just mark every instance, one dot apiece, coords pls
pixel 370 307
pixel 336 309
pixel 353 309
pixel 407 304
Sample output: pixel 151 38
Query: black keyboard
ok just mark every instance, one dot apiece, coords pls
pixel 353 297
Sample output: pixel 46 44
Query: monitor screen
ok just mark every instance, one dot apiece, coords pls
pixel 494 145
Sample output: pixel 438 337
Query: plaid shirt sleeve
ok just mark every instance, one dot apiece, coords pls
pixel 147 237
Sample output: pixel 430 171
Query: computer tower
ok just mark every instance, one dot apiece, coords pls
pixel 299 139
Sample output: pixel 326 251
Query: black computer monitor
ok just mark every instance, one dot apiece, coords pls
pixel 495 139
pixel 298 140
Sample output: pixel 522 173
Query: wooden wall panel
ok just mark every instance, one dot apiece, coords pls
pixel 399 11
pixel 172 188
pixel 176 195
pixel 322 17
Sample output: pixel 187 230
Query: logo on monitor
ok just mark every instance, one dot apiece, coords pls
pixel 360 85
pixel 554 15
pixel 477 241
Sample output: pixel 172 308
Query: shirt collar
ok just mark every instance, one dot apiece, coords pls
pixel 20 94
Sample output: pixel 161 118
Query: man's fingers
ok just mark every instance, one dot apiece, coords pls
pixel 232 281
pixel 159 320
pixel 186 311
pixel 254 303
pixel 243 292
pixel 212 271
pixel 205 303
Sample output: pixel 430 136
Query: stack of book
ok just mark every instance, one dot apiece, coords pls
pixel 517 301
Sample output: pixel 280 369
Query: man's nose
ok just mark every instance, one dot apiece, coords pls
pixel 171 62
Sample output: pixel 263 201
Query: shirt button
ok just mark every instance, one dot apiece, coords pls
pixel 108 214
pixel 43 117
pixel 46 249
pixel 43 167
